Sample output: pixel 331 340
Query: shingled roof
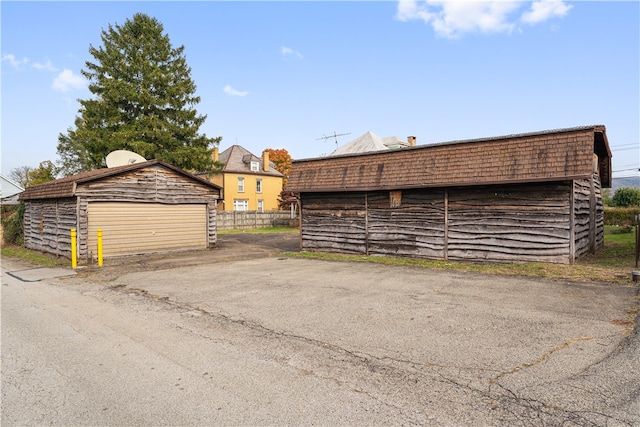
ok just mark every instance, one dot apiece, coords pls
pixel 552 155
pixel 66 187
pixel 238 159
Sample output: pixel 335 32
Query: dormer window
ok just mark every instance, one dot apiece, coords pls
pixel 255 166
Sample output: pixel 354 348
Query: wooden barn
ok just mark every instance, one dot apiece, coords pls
pixel 526 197
pixel 142 207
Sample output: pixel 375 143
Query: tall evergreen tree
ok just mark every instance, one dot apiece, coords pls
pixel 144 101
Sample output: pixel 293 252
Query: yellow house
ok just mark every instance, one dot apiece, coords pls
pixel 249 182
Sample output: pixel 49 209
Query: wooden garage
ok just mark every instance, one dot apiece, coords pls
pixel 141 208
pixel 525 197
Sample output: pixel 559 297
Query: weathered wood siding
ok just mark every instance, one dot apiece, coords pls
pixel 406 223
pixel 48 221
pixel 154 184
pixel 48 224
pixel 588 214
pixel 525 222
pixel 599 211
pixel 504 223
pixel 334 223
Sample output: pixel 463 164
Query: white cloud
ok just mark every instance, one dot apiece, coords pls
pixel 47 66
pixel 66 81
pixel 288 51
pixel 13 61
pixel 231 91
pixel 451 19
pixel 544 10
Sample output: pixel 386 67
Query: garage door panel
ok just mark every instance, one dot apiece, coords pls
pixel 130 228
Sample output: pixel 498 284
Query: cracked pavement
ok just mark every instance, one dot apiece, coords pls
pixel 280 341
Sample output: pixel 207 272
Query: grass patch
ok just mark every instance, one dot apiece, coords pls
pixel 34 257
pixel 260 230
pixel 613 263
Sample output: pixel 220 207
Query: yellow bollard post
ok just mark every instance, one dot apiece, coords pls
pixel 99 247
pixel 74 253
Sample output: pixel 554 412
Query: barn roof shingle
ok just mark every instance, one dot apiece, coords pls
pixel 66 187
pixel 550 155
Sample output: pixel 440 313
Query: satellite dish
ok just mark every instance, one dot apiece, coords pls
pixel 123 157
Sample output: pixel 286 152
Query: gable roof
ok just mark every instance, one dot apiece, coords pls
pixel 551 155
pixel 9 187
pixel 370 142
pixel 365 143
pixel 66 187
pixel 238 159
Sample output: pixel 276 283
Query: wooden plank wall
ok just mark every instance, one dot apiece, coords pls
pixel 510 223
pixel 229 220
pixel 414 228
pixel 154 184
pixel 599 211
pixel 48 224
pixel 588 215
pixel 334 222
pixel 525 222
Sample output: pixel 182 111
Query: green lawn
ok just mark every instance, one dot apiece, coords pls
pixel 33 257
pixel 612 263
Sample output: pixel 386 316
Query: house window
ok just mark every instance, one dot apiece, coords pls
pixel 255 166
pixel 240 185
pixel 240 205
pixel 258 185
pixel 260 205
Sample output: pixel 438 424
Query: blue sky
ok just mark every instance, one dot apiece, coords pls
pixel 286 74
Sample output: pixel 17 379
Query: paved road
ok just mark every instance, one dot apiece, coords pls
pixel 270 340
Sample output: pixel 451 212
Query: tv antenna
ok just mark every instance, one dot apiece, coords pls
pixel 335 135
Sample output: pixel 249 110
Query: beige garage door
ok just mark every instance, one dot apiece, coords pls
pixel 134 228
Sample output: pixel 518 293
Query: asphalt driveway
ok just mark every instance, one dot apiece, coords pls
pixel 550 344
pixel 440 348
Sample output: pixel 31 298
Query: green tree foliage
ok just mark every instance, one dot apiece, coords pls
pixel 12 232
pixel 27 176
pixel 45 172
pixel 144 101
pixel 626 197
pixel 607 200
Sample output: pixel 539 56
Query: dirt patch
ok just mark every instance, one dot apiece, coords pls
pixel 230 247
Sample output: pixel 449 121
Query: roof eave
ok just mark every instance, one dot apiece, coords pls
pixel 435 185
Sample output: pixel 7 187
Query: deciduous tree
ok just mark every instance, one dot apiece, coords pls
pixel 282 160
pixel 45 172
pixel 626 197
pixel 27 176
pixel 21 175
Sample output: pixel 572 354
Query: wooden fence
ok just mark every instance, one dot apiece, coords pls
pixel 229 220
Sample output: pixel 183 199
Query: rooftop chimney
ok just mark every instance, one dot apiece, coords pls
pixel 214 155
pixel 412 141
pixel 265 161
